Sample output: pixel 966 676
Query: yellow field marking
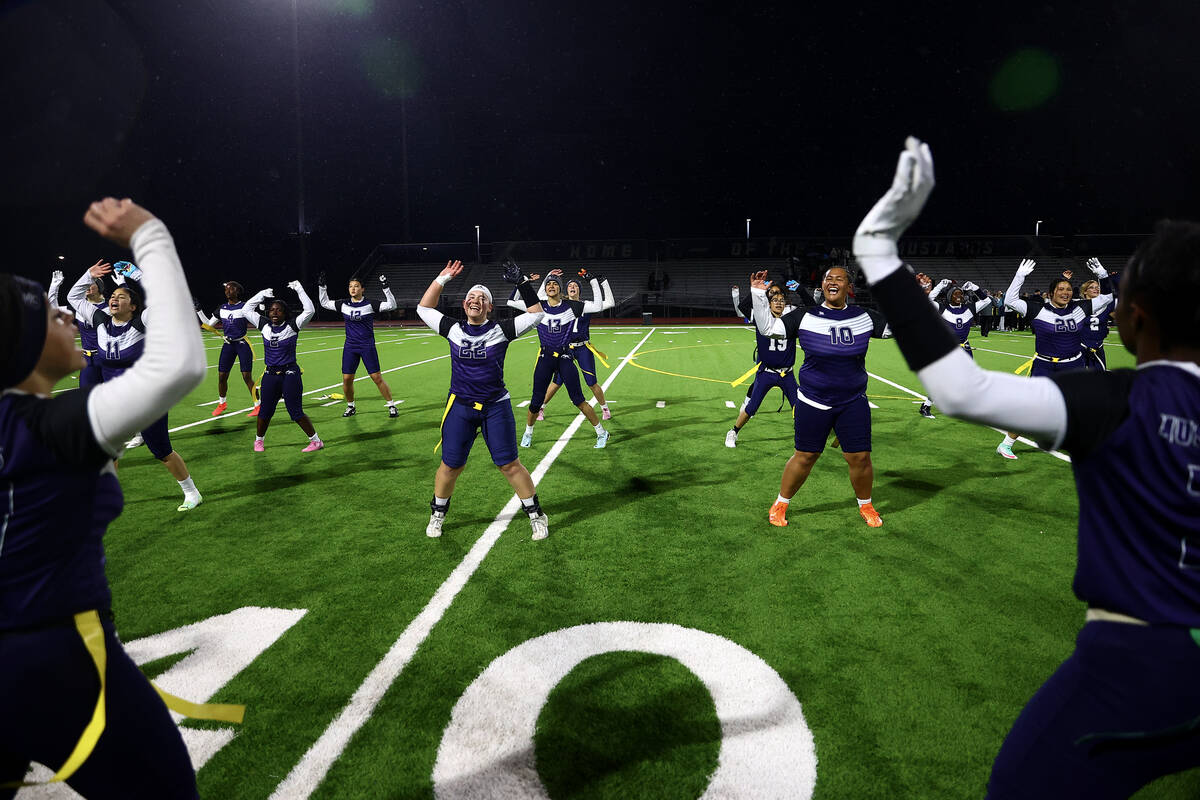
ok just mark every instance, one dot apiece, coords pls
pixel 640 353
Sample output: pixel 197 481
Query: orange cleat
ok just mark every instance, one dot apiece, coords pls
pixel 870 515
pixel 778 515
pixel 220 409
pixel 254 413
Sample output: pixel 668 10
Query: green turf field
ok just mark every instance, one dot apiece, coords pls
pixel 907 651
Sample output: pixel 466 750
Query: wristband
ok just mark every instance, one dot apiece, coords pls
pixel 442 280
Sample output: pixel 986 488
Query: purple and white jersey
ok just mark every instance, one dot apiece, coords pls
pixel 960 318
pixel 359 316
pixel 279 341
pixel 233 322
pixel 835 342
pixel 87 332
pixel 477 352
pixel 1134 440
pixel 119 345
pixel 1096 329
pixel 775 353
pixel 51 556
pixel 582 330
pixel 554 331
pixel 1058 332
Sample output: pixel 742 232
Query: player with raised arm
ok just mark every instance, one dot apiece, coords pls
pixel 235 347
pixel 478 401
pixel 121 339
pixel 776 363
pixel 70 696
pixel 359 315
pixel 554 357
pixel 282 378
pixel 1122 709
pixel 1058 324
pixel 832 384
pixel 580 343
pixel 91 374
pixel 1095 330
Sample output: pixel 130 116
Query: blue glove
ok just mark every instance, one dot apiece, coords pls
pixel 792 285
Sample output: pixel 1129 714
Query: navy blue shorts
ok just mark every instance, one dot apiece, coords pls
pixel 48 690
pixel 239 350
pixel 586 360
pixel 463 421
pixel 282 382
pixel 851 421
pixel 560 367
pixel 91 374
pixel 1120 712
pixel 351 355
pixel 764 381
pixel 158 440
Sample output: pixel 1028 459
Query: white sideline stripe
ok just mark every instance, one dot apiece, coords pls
pixel 871 405
pixel 307 775
pixel 522 404
pixel 730 404
pixel 661 404
pixel 311 391
pixel 1021 439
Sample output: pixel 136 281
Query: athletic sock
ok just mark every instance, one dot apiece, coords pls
pixel 1008 441
pixel 599 429
pixel 189 488
pixel 862 502
pixel 604 406
pixel 349 404
pixel 737 428
pixel 258 438
pixel 532 507
pixel 220 400
pixel 314 437
pixel 782 499
pixel 391 403
pixel 529 429
pixel 439 505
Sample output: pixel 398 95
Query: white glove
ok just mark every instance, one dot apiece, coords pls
pixel 883 225
pixel 57 275
pixel 942 284
pixel 118 278
pixel 970 286
pixel 818 295
pixel 1097 268
pixel 1027 265
pixel 736 293
pixel 268 292
pixel 295 286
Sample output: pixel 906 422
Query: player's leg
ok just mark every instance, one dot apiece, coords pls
pixel 551 390
pixel 459 427
pixel 543 370
pixel 270 393
pixel 350 360
pixel 246 364
pixel 498 427
pixel 293 399
pixel 852 424
pixel 587 368
pixel 224 365
pixel 570 378
pixel 758 390
pixel 158 441
pixel 370 359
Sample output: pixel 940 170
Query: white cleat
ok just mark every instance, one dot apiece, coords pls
pixel 541 527
pixel 731 439
pixel 434 528
pixel 526 439
pixel 1006 451
pixel 601 440
pixel 136 441
pixel 190 502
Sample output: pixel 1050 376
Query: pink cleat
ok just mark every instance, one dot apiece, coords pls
pixel 259 446
pixel 606 415
pixel 541 414
pixel 313 446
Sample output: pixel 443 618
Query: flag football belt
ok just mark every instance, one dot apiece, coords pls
pixel 87 623
pixel 546 351
pixel 1054 360
pixel 597 353
pixel 781 372
pixel 449 402
pixel 90 353
pixel 281 370
pixel 234 341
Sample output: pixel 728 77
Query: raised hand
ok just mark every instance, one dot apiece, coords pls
pixel 321 279
pixel 758 280
pixel 883 225
pixel 100 269
pixel 116 220
pixel 1026 267
pixel 452 270
pixel 970 286
pixel 295 286
pixel 1097 268
pixel 383 281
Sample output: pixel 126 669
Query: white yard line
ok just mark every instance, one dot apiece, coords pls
pixel 307 775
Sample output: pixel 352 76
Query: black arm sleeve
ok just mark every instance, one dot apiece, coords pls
pixel 922 335
pixel 577 307
pixel 1097 404
pixel 445 325
pixel 99 318
pixel 746 306
pixel 791 321
pixel 61 424
pixel 529 295
pixel 879 321
pixel 509 328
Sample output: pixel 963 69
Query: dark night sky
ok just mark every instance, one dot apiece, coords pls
pixel 543 120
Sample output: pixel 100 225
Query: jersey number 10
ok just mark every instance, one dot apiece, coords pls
pixel 841 336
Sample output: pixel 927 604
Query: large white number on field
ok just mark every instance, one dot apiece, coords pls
pixel 487 751
pixel 219 648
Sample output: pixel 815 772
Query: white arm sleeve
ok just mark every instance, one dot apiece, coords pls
pixel 542 289
pixel 1012 296
pixel 594 305
pixel 518 303
pixel 252 303
pixel 323 299
pixel 1101 302
pixel 980 305
pixel 523 322
pixel 609 300
pixel 431 317
pixel 77 299
pixel 173 361
pixel 207 320
pixel 52 292
pixel 767 325
pixel 306 303
pixel 737 296
pixel 251 316
pixel 389 302
pixel 1033 406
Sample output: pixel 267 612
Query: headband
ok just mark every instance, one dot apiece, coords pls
pixel 479 287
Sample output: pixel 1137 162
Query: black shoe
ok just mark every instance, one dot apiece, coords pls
pixel 393 412
pixel 349 412
pixel 927 410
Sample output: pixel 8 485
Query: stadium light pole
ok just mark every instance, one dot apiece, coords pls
pixel 747 229
pixel 476 244
pixel 300 227
pixel 1037 227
